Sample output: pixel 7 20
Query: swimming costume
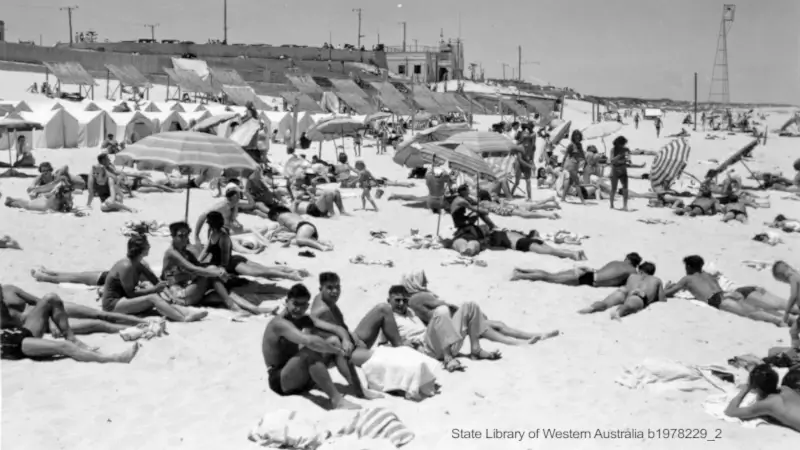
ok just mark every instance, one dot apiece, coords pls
pixel 286 346
pixel 102 191
pixel 314 211
pixel 101 281
pixel 746 290
pixel 11 342
pixel 641 295
pixel 715 300
pixel 524 244
pixel 113 292
pixel 586 279
pixel 215 251
pixel 276 211
pixel 313 236
pixel 499 239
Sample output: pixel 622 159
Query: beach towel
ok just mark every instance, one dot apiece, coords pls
pixel 311 428
pixel 464 261
pixel 401 369
pixel 361 259
pixel 565 237
pixel 154 328
pixel 413 242
pixel 145 227
pixel 651 221
pixel 716 404
pixel 662 375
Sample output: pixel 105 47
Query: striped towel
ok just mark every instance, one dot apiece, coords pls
pixel 379 422
pixel 669 163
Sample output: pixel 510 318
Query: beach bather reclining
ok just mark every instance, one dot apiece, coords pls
pixel 641 290
pixel 530 242
pixel 613 274
pixel 58 199
pixel 297 359
pixel 322 206
pixel 526 211
pixel 776 404
pixel 306 233
pixel 705 204
pixel 24 338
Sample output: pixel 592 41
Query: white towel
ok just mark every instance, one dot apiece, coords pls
pixel 661 375
pixel 401 369
pixel 715 406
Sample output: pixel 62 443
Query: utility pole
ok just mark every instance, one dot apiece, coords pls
pixel 69 16
pixel 152 30
pixel 404 35
pixel 504 70
pixel 519 63
pixel 416 49
pixel 225 22
pixel 358 10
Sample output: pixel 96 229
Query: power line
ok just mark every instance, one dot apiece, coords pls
pixel 152 29
pixel 69 16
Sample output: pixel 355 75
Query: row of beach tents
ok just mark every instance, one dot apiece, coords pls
pixel 86 124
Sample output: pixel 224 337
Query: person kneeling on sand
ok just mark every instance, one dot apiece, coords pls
pixel 531 242
pixel 424 303
pixel 444 335
pixel 219 252
pixel 781 405
pixel 121 294
pixel 297 360
pixel 641 290
pixel 82 319
pixel 704 287
pixel 24 338
pixel 613 274
pixel 305 231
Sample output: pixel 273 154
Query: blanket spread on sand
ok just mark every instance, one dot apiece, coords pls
pixel 401 369
pixel 312 428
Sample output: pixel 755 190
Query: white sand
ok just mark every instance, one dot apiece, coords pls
pixel 205 385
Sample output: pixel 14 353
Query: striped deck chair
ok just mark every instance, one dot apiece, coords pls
pixel 669 164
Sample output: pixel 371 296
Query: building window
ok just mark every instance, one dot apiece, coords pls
pixel 417 69
pixel 401 69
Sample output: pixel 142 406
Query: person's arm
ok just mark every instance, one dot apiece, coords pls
pixel 328 327
pixel 794 298
pixel 201 220
pixel 35 183
pixel 183 263
pixel 662 297
pixel 90 187
pixel 149 275
pixel 289 332
pixel 204 253
pixel 129 278
pixel 758 409
pixel 673 288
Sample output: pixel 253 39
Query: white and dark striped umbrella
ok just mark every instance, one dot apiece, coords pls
pixel 335 127
pixel 483 142
pixel 189 151
pixel 669 163
pixel 461 158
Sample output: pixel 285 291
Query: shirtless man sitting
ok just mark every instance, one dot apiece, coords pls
pixel 613 274
pixel 781 405
pixel 305 231
pixel 23 337
pixel 641 289
pixel 704 287
pixel 322 206
pixel 297 360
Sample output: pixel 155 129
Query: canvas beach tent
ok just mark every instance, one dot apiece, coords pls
pixel 93 127
pixel 167 121
pixel 60 129
pixel 131 125
pixel 194 117
pixel 275 119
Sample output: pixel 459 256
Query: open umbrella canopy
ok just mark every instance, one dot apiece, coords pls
pixel 15 122
pixel 435 134
pixel 213 121
pixel 600 130
pixel 419 154
pixel 735 157
pixel 329 129
pixel 483 142
pixel 380 115
pixel 669 163
pixel 188 150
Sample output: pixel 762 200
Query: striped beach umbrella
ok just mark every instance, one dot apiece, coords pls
pixel 669 163
pixel 461 159
pixel 190 151
pixel 433 134
pixel 483 142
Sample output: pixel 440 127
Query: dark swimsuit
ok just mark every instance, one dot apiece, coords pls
pixel 11 342
pixel 215 250
pixel 715 300
pixel 314 211
pixel 746 290
pixel 465 226
pixel 500 239
pixel 587 279
pixel 102 191
pixel 300 225
pixel 274 372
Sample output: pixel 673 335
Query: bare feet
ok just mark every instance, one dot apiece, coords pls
pixel 515 275
pixel 126 356
pixel 454 365
pixel 195 316
pixel 83 345
pixel 615 315
pixel 544 336
pixel 483 354
pixel 343 403
pixel 372 395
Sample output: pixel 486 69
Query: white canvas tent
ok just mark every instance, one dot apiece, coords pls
pixel 131 125
pixel 170 106
pixel 275 119
pixel 149 107
pixel 93 126
pixel 195 117
pixel 167 121
pixel 60 130
pixel 17 107
pixel 651 113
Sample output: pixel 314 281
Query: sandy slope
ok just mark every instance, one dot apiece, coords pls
pixel 204 386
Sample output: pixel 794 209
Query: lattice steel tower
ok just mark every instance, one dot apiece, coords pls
pixel 719 91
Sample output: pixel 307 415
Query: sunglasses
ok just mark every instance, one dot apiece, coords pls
pixel 401 300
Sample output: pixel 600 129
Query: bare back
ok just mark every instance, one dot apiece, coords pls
pixel 275 347
pixel 702 285
pixel 290 220
pixel 615 273
pixel 327 312
pixel 646 285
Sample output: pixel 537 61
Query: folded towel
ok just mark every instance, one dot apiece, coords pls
pixel 464 261
pixel 565 237
pixel 401 369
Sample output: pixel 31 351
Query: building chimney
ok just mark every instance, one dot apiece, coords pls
pixel 2 31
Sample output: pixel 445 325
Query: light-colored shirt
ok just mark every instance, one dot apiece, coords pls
pixel 410 327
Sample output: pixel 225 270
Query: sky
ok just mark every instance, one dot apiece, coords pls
pixel 636 48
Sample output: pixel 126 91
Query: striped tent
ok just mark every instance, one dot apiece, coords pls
pixel 669 163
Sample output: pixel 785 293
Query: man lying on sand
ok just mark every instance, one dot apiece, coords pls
pixel 704 287
pixel 297 360
pixel 530 242
pixel 322 206
pixel 7 241
pixel 219 252
pixel 82 319
pixel 613 274
pixel 121 292
pixel 444 335
pixel 23 337
pixel 424 303
pixel 705 204
pixel 305 231
pixel 526 212
pixel 781 405
pixel 641 289
pixel 735 209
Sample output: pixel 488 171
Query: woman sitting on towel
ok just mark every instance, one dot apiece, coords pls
pixel 530 242
pixel 219 252
pixel 57 199
pixel 423 302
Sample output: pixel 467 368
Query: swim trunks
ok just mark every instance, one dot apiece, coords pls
pixel 101 281
pixel 586 278
pixel 715 300
pixel 314 211
pixel 524 244
pixel 11 342
pixel 746 290
pixel 641 295
pixel 274 381
pixel 301 224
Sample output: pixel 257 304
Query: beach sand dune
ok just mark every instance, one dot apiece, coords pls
pixel 204 386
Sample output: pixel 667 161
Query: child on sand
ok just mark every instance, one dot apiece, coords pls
pixel 365 182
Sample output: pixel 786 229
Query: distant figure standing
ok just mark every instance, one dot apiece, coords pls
pixel 658 126
pixel 636 120
pixel 703 119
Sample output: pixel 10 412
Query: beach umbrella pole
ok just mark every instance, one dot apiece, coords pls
pixel 188 189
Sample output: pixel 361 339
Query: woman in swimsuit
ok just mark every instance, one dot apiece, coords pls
pixel 121 294
pixel 59 199
pixel 219 252
pixel 103 184
pixel 572 161
pixel 345 173
pixel 530 243
pixel 525 211
pixel 306 234
pixel 45 177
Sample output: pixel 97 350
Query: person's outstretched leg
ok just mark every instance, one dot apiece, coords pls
pixel 544 249
pixel 143 304
pixel 631 305
pixel 46 348
pixel 615 298
pixel 45 275
pixel 75 311
pixel 337 200
pixel 380 318
pixel 471 319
